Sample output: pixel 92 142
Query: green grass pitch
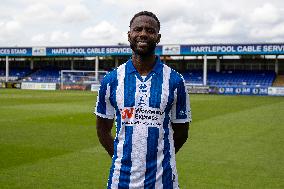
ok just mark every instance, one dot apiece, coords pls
pixel 48 140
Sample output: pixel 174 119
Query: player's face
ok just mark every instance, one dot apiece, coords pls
pixel 144 35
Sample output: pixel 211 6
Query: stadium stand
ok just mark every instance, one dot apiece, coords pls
pixel 81 77
pixel 44 75
pixel 232 78
pixel 19 72
pixel 223 78
pixel 15 73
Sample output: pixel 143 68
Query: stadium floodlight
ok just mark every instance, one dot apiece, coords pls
pixel 80 79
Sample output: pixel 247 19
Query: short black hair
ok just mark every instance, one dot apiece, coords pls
pixel 145 13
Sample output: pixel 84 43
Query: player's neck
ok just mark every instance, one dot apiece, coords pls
pixel 143 64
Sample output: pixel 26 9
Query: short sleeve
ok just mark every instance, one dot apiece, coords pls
pixel 104 108
pixel 181 111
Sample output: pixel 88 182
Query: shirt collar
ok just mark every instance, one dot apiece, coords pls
pixel 157 68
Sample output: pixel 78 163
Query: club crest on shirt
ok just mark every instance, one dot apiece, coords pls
pixel 143 95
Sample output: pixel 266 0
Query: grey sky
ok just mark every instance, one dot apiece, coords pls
pixel 105 22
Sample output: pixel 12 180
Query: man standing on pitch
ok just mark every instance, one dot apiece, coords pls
pixel 151 107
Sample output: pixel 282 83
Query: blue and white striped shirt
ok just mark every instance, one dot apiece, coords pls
pixel 144 108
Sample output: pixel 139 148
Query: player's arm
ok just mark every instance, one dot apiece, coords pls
pixel 180 134
pixel 105 116
pixel 181 116
pixel 104 127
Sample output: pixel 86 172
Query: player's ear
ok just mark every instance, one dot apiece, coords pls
pixel 158 38
pixel 128 36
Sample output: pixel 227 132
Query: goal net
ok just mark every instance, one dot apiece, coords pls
pixel 80 79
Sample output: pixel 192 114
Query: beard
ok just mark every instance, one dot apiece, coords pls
pixel 145 51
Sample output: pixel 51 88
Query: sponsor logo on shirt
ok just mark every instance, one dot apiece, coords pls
pixel 127 113
pixel 141 116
